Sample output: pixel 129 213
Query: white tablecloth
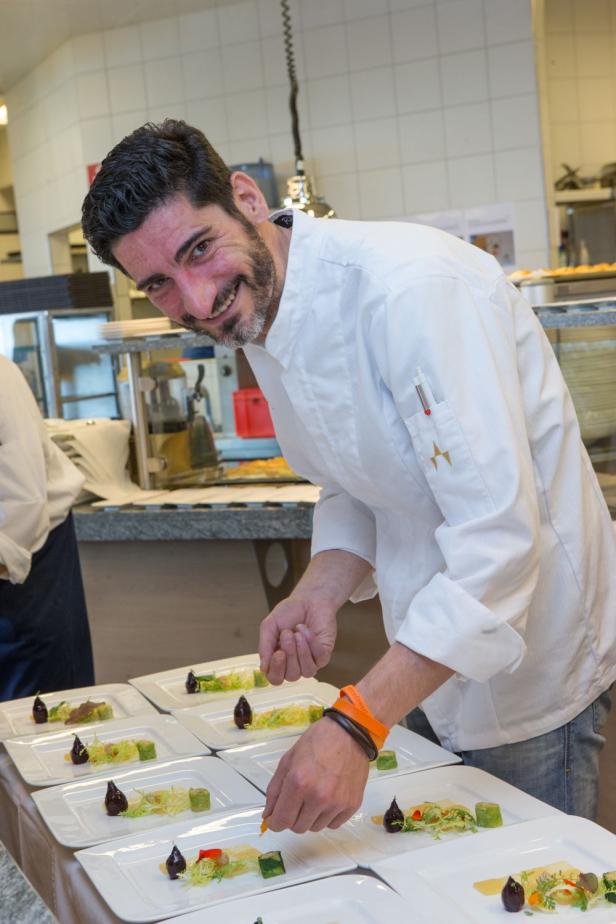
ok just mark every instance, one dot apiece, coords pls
pixel 52 869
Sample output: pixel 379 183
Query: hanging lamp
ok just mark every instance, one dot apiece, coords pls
pixel 301 193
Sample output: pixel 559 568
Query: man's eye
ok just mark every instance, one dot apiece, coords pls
pixel 156 284
pixel 200 248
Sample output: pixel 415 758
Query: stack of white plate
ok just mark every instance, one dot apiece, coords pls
pixel 142 327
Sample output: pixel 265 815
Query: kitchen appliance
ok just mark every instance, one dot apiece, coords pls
pixel 181 442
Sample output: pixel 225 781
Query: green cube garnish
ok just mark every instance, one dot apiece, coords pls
pixel 199 799
pixel 260 679
pixel 147 749
pixel 488 815
pixel 271 864
pixel 386 760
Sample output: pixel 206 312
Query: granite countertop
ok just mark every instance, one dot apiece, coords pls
pixel 21 904
pixel 133 524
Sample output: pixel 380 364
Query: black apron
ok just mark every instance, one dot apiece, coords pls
pixel 44 633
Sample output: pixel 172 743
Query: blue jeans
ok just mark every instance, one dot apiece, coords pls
pixel 560 767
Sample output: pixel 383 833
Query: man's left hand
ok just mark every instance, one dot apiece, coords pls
pixel 319 782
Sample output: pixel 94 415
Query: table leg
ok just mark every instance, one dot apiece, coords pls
pixel 281 564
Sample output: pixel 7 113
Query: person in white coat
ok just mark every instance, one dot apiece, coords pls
pixel 44 632
pixel 408 378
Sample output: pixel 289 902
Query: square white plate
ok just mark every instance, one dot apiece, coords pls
pixel 213 722
pixel 127 875
pixel 167 690
pixel 348 899
pixel 369 843
pixel 40 758
pixel 258 762
pixel 16 714
pixel 439 882
pixel 76 816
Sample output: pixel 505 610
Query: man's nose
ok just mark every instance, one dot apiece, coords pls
pixel 198 297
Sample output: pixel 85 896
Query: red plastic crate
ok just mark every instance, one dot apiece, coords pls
pixel 251 412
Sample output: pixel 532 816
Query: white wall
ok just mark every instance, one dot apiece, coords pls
pixel 581 77
pixel 406 106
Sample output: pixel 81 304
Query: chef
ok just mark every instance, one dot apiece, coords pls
pixel 44 633
pixel 408 378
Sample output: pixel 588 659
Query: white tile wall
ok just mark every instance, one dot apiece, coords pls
pixel 159 39
pixel 581 83
pixel 369 43
pixel 468 129
pixel 329 100
pixel 406 106
pixel 460 25
pixel 381 194
pixel 414 34
pixel 202 74
pixel 126 88
pixel 418 85
pixel 464 77
pixel 422 136
pixel 374 93
pixel 163 81
pixel 512 69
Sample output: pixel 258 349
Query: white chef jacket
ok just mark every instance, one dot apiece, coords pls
pixel 38 483
pixel 491 543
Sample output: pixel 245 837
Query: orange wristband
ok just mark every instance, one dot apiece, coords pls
pixel 352 704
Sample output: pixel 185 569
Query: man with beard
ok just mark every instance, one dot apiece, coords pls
pixel 410 380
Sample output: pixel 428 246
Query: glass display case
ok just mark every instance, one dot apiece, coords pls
pixel 583 336
pixel 55 352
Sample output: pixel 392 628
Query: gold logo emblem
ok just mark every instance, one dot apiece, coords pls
pixel 438 452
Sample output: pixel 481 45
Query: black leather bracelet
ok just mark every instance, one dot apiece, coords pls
pixel 357 733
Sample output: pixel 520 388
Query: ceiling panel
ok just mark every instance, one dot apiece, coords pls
pixel 30 30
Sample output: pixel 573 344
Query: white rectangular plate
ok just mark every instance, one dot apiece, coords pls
pixel 167 689
pixel 75 813
pixel 16 714
pixel 40 758
pixel 369 843
pixel 348 899
pixel 213 722
pixel 258 762
pixel 127 875
pixel 439 882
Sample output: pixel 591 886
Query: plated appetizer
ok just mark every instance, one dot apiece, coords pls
pixel 244 717
pixel 220 683
pixel 111 752
pixel 545 888
pixel 441 817
pixel 216 864
pixel 71 715
pixel 170 801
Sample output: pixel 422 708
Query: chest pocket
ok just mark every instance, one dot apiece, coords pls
pixel 446 459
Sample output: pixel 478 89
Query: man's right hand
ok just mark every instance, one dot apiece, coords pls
pixel 297 638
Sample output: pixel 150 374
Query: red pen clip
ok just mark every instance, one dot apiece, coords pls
pixel 417 382
pixel 422 398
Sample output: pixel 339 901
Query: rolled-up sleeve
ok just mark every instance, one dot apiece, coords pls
pixel 342 522
pixel 474 452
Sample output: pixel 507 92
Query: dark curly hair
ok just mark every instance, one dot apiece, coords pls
pixel 149 166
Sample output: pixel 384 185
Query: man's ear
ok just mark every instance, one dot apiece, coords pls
pixel 248 198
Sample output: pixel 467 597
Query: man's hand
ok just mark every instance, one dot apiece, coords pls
pixel 297 638
pixel 319 782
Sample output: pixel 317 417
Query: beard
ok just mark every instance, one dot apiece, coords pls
pixel 262 281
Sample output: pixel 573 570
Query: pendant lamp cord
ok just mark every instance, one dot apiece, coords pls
pixel 290 56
